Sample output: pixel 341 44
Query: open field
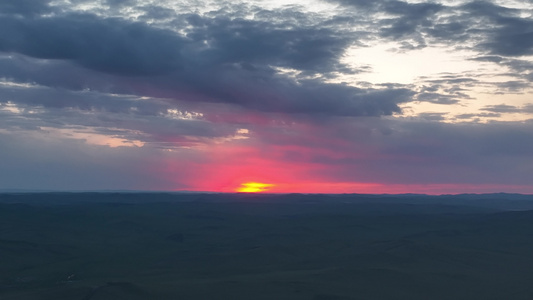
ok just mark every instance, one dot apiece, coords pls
pixel 96 246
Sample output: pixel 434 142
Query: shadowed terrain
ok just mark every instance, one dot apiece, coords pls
pixel 96 246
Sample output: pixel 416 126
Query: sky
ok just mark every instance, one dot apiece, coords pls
pixel 315 96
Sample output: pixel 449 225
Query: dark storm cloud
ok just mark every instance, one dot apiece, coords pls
pixel 24 7
pixel 222 58
pixel 233 41
pixel 218 60
pixel 128 48
pixel 107 45
pixel 261 90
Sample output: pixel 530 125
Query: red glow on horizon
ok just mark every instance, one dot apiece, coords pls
pixel 224 168
pixel 374 188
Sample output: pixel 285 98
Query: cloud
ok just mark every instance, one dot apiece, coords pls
pixel 106 45
pixel 396 19
pixel 410 17
pixel 257 42
pixel 120 2
pixel 217 60
pixel 509 35
pixel 476 117
pixel 223 57
pixel 496 30
pixel 492 29
pixel 158 122
pixel 504 108
pixel 24 7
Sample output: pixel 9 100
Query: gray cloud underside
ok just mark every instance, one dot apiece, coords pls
pixel 119 116
pixel 488 27
pixel 217 58
pixel 226 59
pixel 219 61
pixel 223 57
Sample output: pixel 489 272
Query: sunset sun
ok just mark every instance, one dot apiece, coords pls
pixel 254 187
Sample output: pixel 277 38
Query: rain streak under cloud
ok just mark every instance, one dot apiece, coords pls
pixel 279 96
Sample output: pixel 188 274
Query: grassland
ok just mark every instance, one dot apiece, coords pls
pixel 96 246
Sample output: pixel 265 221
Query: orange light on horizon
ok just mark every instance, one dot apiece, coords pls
pixel 254 187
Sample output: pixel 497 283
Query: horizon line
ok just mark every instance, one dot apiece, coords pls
pixel 43 191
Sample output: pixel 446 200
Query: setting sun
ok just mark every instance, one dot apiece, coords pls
pixel 254 187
